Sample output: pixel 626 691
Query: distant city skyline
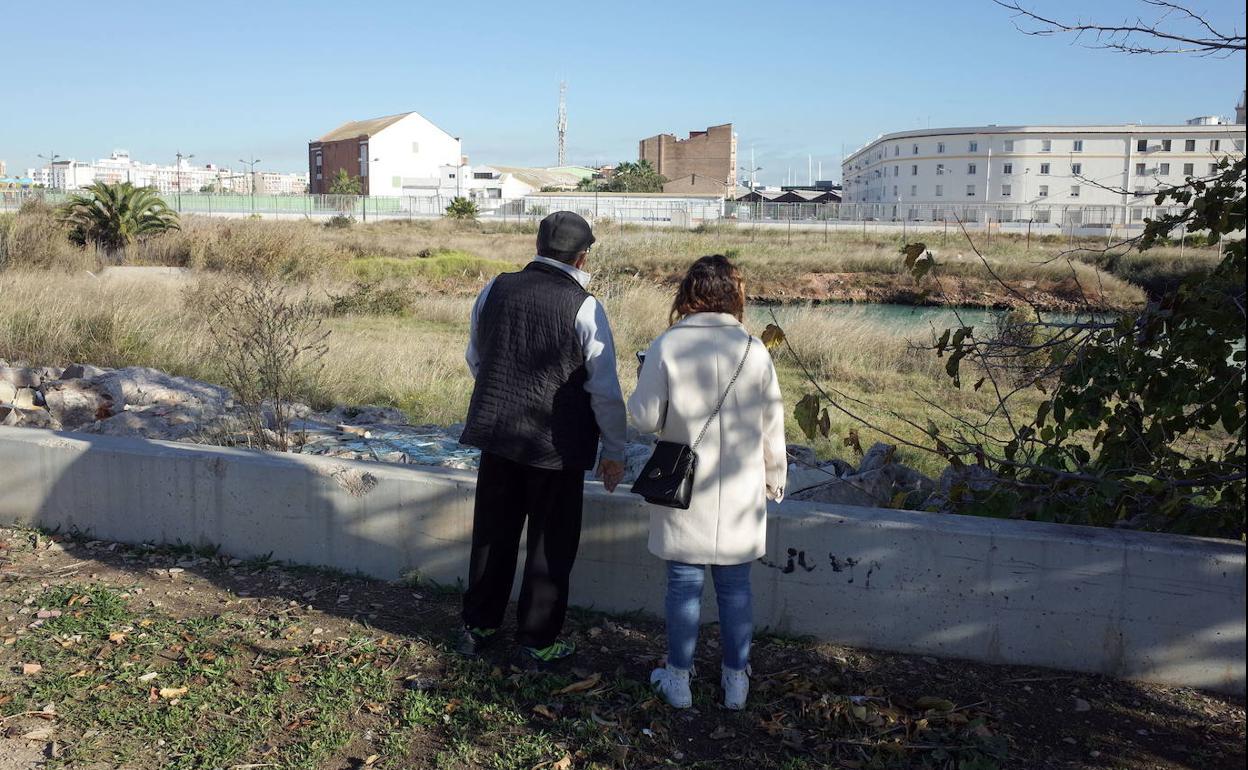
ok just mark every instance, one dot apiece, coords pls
pixel 799 83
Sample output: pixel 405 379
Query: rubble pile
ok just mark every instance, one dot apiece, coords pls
pixel 138 402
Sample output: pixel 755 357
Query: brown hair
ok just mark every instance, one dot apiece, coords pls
pixel 712 285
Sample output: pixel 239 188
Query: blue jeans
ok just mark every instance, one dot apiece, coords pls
pixel 684 607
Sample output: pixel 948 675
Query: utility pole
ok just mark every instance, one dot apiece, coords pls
pixel 178 168
pixel 251 176
pixel 51 158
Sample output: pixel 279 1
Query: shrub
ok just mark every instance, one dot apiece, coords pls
pixel 268 346
pixel 462 208
pixel 33 238
pixel 340 221
pixel 370 298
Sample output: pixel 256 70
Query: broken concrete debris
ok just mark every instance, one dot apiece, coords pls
pixel 138 402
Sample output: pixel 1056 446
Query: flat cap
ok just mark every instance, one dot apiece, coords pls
pixel 563 235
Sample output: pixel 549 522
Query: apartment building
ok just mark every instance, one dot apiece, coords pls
pixel 401 154
pixel 1089 165
pixel 180 176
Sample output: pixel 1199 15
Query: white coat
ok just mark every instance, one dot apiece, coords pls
pixel 741 460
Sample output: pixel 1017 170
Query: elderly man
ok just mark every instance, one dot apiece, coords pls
pixel 546 389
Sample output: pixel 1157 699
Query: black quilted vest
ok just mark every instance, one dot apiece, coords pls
pixel 529 404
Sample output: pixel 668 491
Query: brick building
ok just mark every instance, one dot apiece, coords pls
pixel 704 163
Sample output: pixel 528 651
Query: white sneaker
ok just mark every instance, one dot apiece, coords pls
pixel 736 688
pixel 673 685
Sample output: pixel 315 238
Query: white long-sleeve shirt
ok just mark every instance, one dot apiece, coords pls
pixel 602 383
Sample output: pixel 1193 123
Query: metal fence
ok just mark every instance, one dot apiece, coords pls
pixel 973 215
pixel 671 212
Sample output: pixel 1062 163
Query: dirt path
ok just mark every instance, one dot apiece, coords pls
pixel 164 658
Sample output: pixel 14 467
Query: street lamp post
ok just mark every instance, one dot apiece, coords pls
pixel 251 176
pixel 178 170
pixel 51 159
pixel 751 172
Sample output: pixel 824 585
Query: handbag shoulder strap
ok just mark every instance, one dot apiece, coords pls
pixel 724 397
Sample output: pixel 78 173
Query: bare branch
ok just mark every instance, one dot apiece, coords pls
pixel 1154 39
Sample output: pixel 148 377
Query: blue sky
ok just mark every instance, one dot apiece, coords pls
pixel 227 79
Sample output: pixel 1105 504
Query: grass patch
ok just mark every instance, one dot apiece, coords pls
pixel 438 266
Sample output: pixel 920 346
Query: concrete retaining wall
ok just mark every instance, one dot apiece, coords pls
pixel 1135 605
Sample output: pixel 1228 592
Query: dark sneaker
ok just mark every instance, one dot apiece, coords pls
pixel 553 653
pixel 475 640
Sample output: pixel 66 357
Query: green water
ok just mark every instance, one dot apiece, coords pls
pixel 905 320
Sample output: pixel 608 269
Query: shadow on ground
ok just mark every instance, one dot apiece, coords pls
pixel 293 667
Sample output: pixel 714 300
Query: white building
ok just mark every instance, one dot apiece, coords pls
pixel 911 174
pixel 274 183
pixel 181 176
pixel 400 154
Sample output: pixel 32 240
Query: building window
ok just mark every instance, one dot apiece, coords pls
pixel 1189 145
pixel 940 169
pixel 1007 168
pixel 1239 145
pixel 1009 145
pixel 1165 169
pixel 896 170
pixel 914 191
pixel 1005 191
pixel 1140 191
pixel 914 150
pixel 896 150
pixel 1044 191
pixel 1139 169
pixel 1189 169
pixel 1213 168
pixel 1046 145
pixel 970 191
pixel 1044 168
pixel 894 191
pixel 1077 146
pixel 971 168
pixel 914 170
pixel 1215 145
pixel 363 159
pixel 1141 145
pixel 1165 145
pixel 940 191
pixel 1137 215
pixel 1076 168
pixel 973 147
pixel 1074 191
pixel 940 147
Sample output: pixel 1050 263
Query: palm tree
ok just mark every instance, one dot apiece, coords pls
pixel 112 216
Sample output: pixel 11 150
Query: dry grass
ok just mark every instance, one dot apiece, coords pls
pixel 414 359
pixel 398 338
pixel 451 256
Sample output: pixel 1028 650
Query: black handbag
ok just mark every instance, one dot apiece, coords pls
pixel 667 478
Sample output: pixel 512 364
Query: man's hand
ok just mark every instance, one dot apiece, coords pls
pixel 611 472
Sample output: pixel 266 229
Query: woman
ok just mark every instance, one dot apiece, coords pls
pixel 741 463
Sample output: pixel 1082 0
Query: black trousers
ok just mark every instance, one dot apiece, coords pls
pixel 508 493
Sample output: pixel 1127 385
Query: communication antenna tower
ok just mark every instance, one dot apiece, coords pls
pixel 563 122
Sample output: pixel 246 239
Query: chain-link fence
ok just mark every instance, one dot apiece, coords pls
pixel 670 211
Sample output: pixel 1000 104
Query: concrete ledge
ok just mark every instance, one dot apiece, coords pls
pixel 1135 605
